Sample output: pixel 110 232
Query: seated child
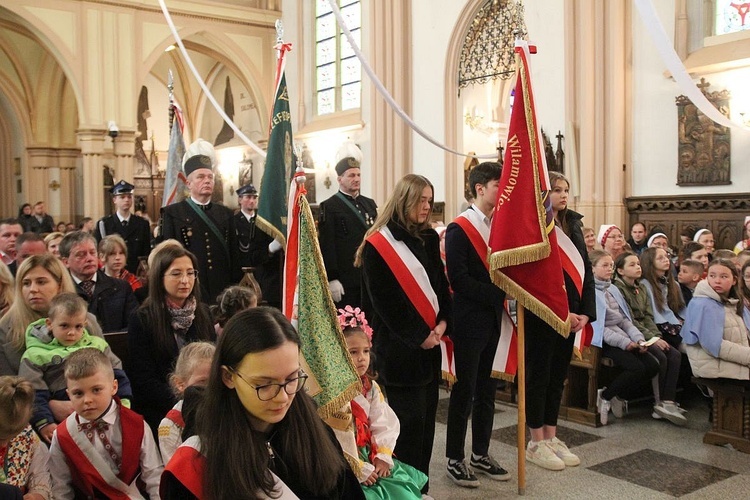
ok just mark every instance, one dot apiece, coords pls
pixel 23 457
pixel 619 339
pixel 716 326
pixel 664 294
pixel 688 277
pixel 49 342
pixel 192 367
pixel 102 448
pixel 232 300
pixel 695 251
pixel 369 440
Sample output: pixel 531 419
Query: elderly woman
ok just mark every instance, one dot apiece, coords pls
pixel 38 280
pixel 611 239
pixel 171 317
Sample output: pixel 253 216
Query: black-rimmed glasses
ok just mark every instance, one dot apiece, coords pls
pixel 267 392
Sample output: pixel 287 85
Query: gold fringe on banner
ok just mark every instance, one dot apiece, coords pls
pixel 503 376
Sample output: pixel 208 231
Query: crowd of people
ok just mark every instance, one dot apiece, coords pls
pixel 212 374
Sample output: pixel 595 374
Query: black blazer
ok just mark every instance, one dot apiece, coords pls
pixel 137 236
pixel 340 232
pixel 252 251
pixel 477 302
pixel 112 303
pixel 180 222
pixel 399 329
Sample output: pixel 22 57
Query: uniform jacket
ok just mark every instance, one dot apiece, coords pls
pixel 179 221
pixel 112 303
pixel 477 302
pixel 399 328
pixel 251 250
pixel 137 236
pixel 340 232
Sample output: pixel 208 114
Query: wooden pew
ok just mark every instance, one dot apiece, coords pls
pixel 731 412
pixel 579 394
pixel 118 342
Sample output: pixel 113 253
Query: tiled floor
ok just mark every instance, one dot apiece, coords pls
pixel 633 457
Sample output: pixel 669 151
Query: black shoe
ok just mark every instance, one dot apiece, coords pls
pixel 462 475
pixel 486 465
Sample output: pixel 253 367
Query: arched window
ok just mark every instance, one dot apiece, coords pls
pixel 731 16
pixel 338 73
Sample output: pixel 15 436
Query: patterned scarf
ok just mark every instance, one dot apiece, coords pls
pixel 182 317
pixel 16 458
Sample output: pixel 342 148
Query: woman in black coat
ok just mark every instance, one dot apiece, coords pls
pixel 409 309
pixel 171 316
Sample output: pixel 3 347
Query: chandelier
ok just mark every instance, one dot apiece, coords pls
pixel 488 51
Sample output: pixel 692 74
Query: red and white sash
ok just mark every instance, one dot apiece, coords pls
pixel 90 471
pixel 412 277
pixel 188 466
pixel 572 264
pixel 505 363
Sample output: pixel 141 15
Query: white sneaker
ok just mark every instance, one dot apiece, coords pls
pixel 542 455
pixel 603 406
pixel 670 411
pixel 619 407
pixel 563 453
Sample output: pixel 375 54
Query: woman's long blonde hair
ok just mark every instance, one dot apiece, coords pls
pixel 20 314
pixel 6 283
pixel 405 198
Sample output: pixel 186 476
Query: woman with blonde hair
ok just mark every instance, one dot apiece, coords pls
pixel 405 294
pixel 52 242
pixel 6 289
pixel 113 253
pixel 38 280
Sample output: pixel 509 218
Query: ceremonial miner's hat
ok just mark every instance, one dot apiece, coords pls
pixel 345 164
pixel 199 154
pixel 248 189
pixel 121 187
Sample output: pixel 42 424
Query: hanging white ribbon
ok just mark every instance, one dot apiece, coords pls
pixel 674 65
pixel 203 85
pixel 384 92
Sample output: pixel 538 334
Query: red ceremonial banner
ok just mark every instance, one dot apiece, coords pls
pixel 525 258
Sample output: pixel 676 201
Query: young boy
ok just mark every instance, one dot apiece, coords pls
pixel 689 275
pixel 102 447
pixel 49 341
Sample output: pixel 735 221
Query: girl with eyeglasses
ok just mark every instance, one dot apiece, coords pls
pixel 171 317
pixel 258 432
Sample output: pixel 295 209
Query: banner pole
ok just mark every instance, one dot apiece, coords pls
pixel 521 400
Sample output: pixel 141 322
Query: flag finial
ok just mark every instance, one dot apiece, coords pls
pixel 279 31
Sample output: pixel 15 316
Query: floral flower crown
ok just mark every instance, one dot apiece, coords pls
pixel 354 317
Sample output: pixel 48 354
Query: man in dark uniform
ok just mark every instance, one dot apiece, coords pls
pixel 203 227
pixel 257 249
pixel 344 219
pixel 134 230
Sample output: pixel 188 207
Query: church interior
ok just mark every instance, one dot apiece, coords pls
pixel 85 102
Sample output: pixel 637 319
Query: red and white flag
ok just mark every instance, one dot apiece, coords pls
pixel 525 259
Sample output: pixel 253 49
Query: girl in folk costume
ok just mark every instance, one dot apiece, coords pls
pixel 23 457
pixel 376 426
pixel 258 432
pixel 406 297
pixel 191 369
pixel 548 353
pixel 715 332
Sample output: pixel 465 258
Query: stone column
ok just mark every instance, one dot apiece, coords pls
pixel 92 149
pixel 124 151
pixel 391 138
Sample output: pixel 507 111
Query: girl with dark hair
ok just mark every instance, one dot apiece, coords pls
pixel 715 332
pixel 405 295
pixel 171 317
pixel 258 432
pixel 664 292
pixel 24 216
pixel 548 353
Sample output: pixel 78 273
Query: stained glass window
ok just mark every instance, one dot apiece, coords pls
pixel 338 72
pixel 731 16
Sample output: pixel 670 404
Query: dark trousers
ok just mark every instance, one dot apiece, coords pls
pixel 415 407
pixel 547 360
pixel 473 392
pixel 669 371
pixel 636 368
